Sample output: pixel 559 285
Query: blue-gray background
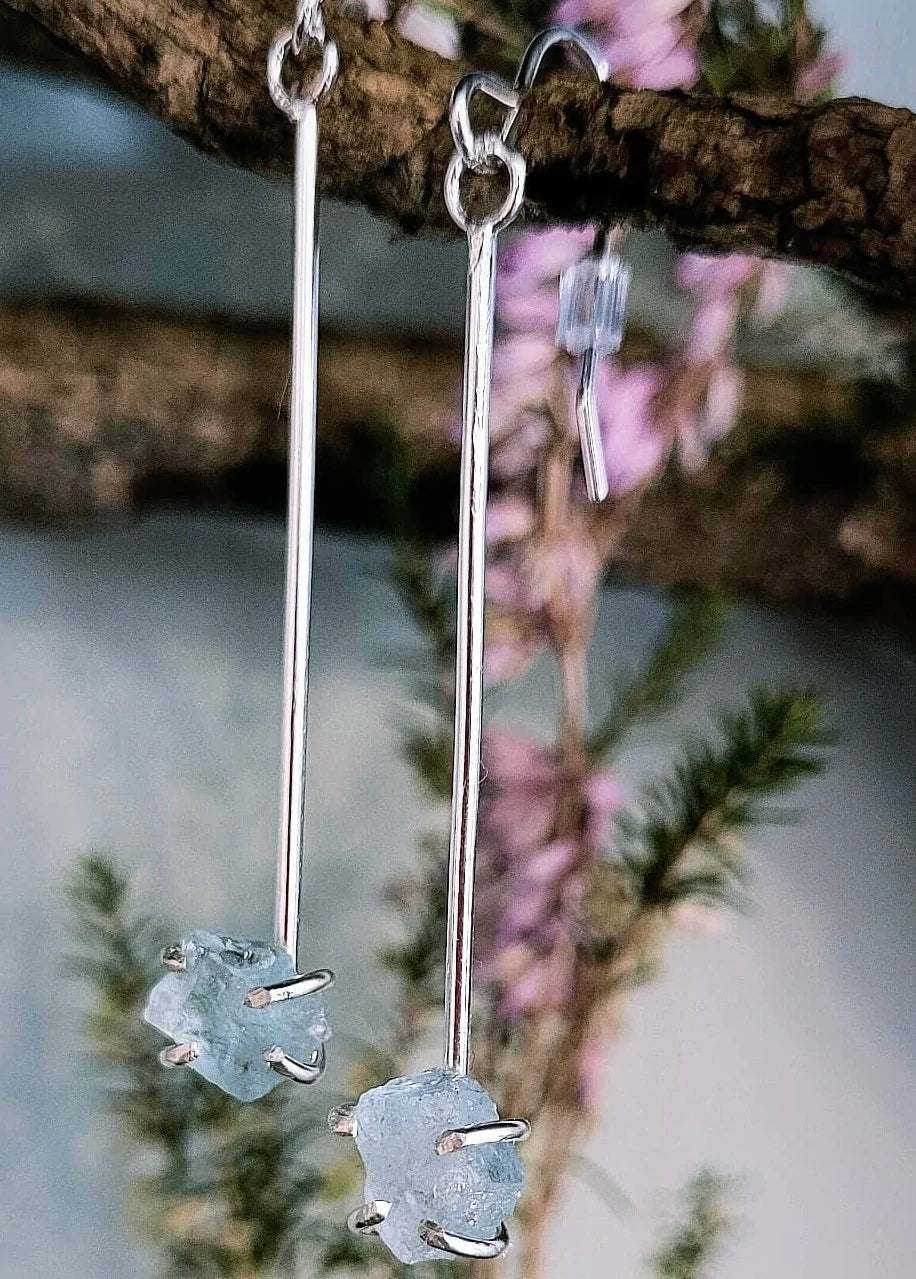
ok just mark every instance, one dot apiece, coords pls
pixel 139 685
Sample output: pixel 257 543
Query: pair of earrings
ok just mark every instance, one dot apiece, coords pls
pixel 442 1172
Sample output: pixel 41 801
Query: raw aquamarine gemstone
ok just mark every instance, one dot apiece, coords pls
pixel 593 301
pixel 205 1005
pixel 468 1192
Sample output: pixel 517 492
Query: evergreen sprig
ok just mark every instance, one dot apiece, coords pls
pixel 696 1242
pixel 684 841
pixel 235 1191
pixel 690 637
pixel 747 46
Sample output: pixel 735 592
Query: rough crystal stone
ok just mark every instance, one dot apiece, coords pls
pixel 205 1004
pixel 593 301
pixel 469 1192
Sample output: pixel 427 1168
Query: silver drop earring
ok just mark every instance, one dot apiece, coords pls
pixel 239 1012
pixel 442 1173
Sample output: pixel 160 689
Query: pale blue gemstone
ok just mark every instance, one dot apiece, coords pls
pixel 469 1192
pixel 593 303
pixel 205 1005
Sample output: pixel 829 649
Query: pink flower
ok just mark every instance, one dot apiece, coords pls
pixel 430 29
pixel 714 277
pixel 509 518
pixel 820 76
pixel 634 447
pixel 562 573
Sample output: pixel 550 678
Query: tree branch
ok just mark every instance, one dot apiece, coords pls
pixel 829 184
pixel 101 409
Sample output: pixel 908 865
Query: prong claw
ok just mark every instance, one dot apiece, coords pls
pixel 301 1072
pixel 366 1219
pixel 482 1135
pixel 459 1246
pixel 174 959
pixel 342 1119
pixel 179 1054
pixel 293 988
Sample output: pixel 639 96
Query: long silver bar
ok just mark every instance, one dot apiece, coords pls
pixel 300 530
pixel 475 448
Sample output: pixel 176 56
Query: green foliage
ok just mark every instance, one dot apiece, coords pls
pixel 234 1187
pixel 684 842
pixel 747 46
pixel 423 904
pixel 691 636
pixel 695 1243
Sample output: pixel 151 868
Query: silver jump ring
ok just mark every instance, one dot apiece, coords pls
pixel 463 133
pixel 291 39
pixel 490 147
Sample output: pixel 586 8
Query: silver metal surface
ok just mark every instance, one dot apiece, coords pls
pixel 589 427
pixel 475 446
pixel 482 232
pixel 366 1219
pixel 302 110
pixel 174 959
pixel 483 1135
pixel 294 988
pixel 301 1072
pixel 342 1120
pixel 309 26
pixel 460 1246
pixel 530 66
pixel 472 147
pixel 179 1054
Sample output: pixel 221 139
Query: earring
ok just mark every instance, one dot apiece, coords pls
pixel 442 1173
pixel 239 1012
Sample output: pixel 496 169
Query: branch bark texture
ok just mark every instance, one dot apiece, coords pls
pixel 829 184
pixel 101 409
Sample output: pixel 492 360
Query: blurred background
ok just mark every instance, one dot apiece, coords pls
pixel 141 572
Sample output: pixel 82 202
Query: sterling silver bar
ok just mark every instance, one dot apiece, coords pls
pixel 300 529
pixel 475 449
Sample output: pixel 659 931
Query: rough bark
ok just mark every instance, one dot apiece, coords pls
pixel 829 184
pixel 102 410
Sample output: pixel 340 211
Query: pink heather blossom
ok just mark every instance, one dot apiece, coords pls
pixel 430 29
pixel 506 656
pixel 634 448
pixel 509 518
pixel 820 76
pixel 531 882
pixel 648 43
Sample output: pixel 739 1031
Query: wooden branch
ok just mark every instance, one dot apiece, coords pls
pixel 104 409
pixel 827 184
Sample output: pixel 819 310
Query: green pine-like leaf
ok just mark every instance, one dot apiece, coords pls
pixel 684 840
pixel 696 1242
pixel 691 636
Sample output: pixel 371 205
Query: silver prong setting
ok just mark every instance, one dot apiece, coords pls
pixel 174 959
pixel 301 1072
pixel 342 1120
pixel 460 1246
pixel 293 988
pixel 483 1135
pixel 179 1055
pixel 366 1219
